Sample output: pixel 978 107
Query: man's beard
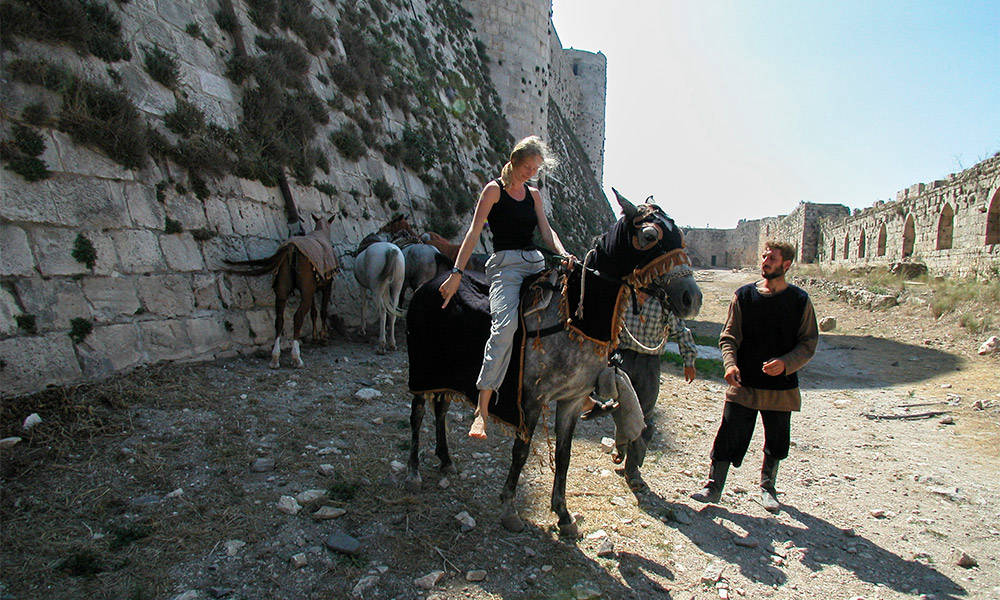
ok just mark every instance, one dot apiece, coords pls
pixel 776 273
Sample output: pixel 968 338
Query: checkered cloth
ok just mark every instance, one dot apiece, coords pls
pixel 648 327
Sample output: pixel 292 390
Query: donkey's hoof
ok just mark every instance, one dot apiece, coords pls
pixel 274 364
pixel 448 469
pixel 569 530
pixel 299 364
pixel 513 523
pixel 380 350
pixel 413 482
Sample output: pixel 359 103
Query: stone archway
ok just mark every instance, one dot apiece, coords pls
pixel 909 235
pixel 833 250
pixel 946 228
pixel 993 220
pixel 880 248
pixel 847 245
pixel 861 244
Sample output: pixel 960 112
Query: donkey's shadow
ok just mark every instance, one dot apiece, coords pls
pixel 716 530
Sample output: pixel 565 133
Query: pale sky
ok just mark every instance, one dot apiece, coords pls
pixel 729 110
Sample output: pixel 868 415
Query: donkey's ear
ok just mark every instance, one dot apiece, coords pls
pixel 650 199
pixel 628 208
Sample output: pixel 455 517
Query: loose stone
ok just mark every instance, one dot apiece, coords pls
pixel 262 465
pixel 288 505
pixel 428 581
pixel 299 560
pixel 338 541
pixel 476 575
pixel 328 512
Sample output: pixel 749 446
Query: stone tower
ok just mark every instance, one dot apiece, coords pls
pixel 516 36
pixel 590 70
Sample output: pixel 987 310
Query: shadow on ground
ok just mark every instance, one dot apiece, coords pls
pixel 815 543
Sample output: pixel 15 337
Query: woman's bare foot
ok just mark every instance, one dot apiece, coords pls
pixel 478 429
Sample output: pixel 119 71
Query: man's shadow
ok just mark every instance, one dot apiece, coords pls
pixel 815 541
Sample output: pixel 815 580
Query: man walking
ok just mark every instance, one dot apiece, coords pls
pixel 770 334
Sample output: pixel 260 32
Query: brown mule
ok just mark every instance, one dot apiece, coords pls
pixel 303 262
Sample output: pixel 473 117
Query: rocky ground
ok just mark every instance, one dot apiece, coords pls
pixel 180 482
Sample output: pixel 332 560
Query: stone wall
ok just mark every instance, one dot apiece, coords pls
pixel 517 36
pixel 732 248
pixel 157 289
pixel 585 75
pixel 944 224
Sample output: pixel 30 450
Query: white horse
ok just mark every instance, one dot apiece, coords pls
pixel 380 269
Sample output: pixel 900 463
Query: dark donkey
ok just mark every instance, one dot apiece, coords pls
pixel 303 262
pixel 643 248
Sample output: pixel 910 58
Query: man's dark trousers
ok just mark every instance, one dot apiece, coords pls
pixel 736 431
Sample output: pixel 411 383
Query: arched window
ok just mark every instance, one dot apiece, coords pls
pixel 880 249
pixel 909 234
pixel 833 250
pixel 861 244
pixel 847 244
pixel 946 224
pixel 993 220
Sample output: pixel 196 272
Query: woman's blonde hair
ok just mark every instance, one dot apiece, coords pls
pixel 525 149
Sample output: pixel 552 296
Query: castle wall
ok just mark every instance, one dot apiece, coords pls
pixel 586 72
pixel 158 289
pixel 732 248
pixel 516 34
pixel 958 208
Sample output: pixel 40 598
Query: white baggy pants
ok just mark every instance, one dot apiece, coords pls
pixel 505 271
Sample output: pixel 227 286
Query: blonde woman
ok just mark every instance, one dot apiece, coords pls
pixel 514 210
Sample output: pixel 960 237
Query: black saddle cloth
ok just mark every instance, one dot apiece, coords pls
pixel 446 347
pixel 600 305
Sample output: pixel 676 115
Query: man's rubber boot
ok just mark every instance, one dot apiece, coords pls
pixel 768 495
pixel 712 491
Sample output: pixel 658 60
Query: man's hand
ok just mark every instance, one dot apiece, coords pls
pixel 775 366
pixel 689 374
pixel 733 376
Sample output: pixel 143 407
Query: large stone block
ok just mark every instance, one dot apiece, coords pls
pixel 255 190
pixel 150 98
pixel 110 349
pixel 181 251
pixel 260 287
pixel 223 247
pixel 187 210
pixel 8 310
pixel 32 363
pixel 53 248
pixel 15 252
pixel 248 218
pixel 53 302
pixel 143 207
pixel 166 295
pixel 87 201
pixel 260 247
pixel 308 201
pixel 165 340
pixel 113 298
pixel 234 290
pixel 215 86
pixel 206 291
pixel 217 213
pixel 138 251
pixel 261 325
pixel 81 160
pixel 27 202
pixel 208 336
pixel 107 255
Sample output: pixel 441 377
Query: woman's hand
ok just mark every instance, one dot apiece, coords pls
pixel 568 260
pixel 449 287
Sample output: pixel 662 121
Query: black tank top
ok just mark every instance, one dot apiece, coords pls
pixel 512 222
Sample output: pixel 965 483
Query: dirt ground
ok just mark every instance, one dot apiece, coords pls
pixel 144 486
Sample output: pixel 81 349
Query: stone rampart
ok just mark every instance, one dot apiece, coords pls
pixel 104 268
pixel 952 225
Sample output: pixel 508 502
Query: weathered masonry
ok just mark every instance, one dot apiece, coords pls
pixel 951 225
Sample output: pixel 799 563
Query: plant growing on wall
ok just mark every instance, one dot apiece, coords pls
pixel 79 329
pixel 83 251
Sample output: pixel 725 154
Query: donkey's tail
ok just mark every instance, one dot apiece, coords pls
pixel 393 270
pixel 257 266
